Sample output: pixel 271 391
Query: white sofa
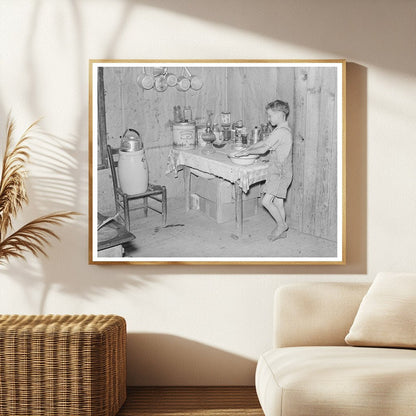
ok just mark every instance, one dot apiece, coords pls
pixel 311 371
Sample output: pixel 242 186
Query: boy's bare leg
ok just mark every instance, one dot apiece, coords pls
pixel 280 206
pixel 275 211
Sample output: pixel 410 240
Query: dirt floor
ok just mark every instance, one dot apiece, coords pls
pixel 194 235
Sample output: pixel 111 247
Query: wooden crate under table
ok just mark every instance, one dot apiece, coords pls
pixel 215 197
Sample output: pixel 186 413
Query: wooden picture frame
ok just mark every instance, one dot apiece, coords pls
pixel 214 207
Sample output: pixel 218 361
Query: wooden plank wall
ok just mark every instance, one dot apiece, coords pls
pixel 251 89
pixel 311 204
pixel 150 112
pixel 312 200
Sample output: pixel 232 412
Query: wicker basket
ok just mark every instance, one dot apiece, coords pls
pixel 71 365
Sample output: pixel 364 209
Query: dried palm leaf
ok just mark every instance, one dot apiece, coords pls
pixel 33 237
pixel 12 183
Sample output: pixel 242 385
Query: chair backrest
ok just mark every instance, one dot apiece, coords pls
pixel 113 165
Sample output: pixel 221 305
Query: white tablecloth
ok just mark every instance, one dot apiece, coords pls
pixel 218 164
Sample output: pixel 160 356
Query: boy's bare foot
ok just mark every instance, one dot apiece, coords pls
pixel 278 233
pixel 271 235
pixel 283 234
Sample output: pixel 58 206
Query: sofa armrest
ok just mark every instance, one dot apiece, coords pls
pixel 315 313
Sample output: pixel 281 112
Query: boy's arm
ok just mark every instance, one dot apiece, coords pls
pixel 254 150
pixel 258 148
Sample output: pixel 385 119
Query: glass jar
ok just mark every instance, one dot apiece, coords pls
pixel 177 114
pixel 187 113
pixel 225 119
pixel 208 137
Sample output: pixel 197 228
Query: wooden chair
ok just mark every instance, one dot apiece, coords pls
pixel 154 192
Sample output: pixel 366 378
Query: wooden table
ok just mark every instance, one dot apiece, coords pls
pixel 218 164
pixel 118 236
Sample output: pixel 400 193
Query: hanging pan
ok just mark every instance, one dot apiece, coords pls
pixel 196 82
pixel 161 84
pixel 145 80
pixel 184 83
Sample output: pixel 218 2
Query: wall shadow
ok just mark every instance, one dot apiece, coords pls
pixel 356 167
pixel 168 360
pixel 59 181
pixel 52 185
pixel 333 27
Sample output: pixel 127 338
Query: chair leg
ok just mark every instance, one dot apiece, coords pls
pixel 116 201
pixel 145 204
pixel 164 206
pixel 126 212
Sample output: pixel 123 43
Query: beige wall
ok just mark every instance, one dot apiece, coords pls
pixel 204 325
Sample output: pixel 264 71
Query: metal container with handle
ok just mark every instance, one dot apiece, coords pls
pixel 132 165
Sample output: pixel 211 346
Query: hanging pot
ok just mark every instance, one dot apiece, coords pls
pixel 196 82
pixel 161 84
pixel 145 81
pixel 171 79
pixel 184 83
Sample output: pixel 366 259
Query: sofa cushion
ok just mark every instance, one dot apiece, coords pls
pixel 315 314
pixel 304 381
pixel 387 314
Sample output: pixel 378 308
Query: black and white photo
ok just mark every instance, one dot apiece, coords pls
pixel 217 162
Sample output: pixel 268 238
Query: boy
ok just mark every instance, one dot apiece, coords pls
pixel 279 174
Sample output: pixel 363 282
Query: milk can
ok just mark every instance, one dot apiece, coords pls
pixel 132 165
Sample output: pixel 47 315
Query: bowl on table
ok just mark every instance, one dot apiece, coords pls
pixel 219 144
pixel 243 160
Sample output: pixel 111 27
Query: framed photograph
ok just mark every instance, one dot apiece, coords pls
pixel 217 162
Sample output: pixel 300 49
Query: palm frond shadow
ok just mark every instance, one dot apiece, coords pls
pixel 56 182
pixel 59 182
pixel 58 178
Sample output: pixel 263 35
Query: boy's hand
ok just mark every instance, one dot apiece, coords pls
pixel 241 153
